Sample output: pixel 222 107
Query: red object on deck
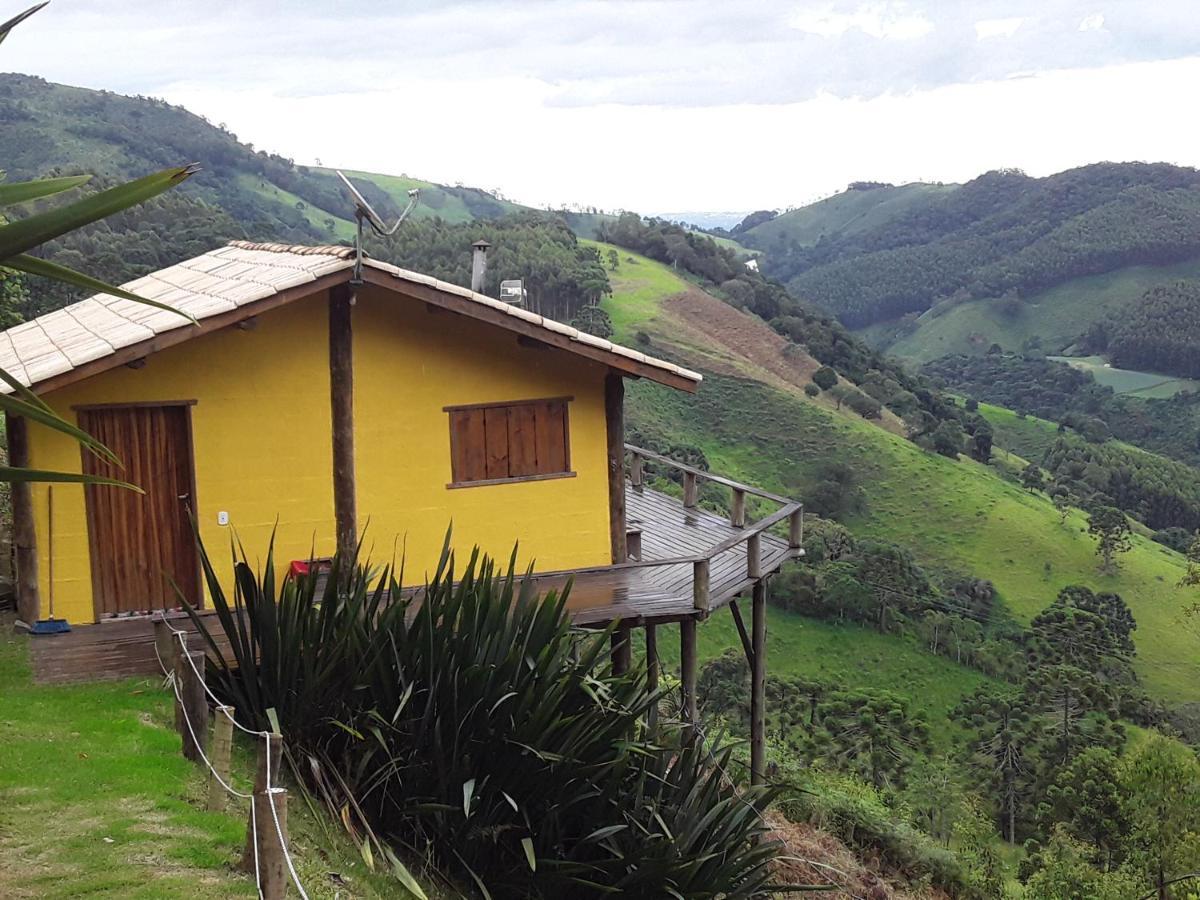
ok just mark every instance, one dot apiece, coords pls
pixel 297 567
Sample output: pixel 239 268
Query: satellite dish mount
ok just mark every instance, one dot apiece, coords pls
pixel 364 213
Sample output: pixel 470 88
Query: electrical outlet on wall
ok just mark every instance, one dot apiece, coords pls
pixel 222 518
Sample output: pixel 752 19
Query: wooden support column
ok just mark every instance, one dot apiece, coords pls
pixel 687 674
pixel 29 604
pixel 622 649
pixel 701 579
pixel 758 684
pixel 652 674
pixel 341 403
pixel 614 416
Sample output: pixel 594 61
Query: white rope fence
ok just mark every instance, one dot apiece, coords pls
pixel 270 791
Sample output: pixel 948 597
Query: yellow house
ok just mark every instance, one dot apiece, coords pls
pixel 444 406
pixel 326 401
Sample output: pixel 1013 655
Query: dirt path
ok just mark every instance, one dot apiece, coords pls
pixel 716 336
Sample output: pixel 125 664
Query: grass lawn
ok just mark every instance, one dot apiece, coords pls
pixel 96 800
pixel 1058 315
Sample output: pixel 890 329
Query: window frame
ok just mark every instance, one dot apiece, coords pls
pixel 567 472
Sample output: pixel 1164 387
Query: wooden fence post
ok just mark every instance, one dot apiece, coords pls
pixel 754 555
pixel 261 837
pixel 737 516
pixel 165 642
pixel 690 489
pixel 700 583
pixel 177 664
pixel 195 703
pixel 635 470
pixel 796 529
pixel 222 748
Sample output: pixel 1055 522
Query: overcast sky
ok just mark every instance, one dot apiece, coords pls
pixel 655 105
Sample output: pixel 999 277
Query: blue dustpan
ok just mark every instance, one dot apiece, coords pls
pixel 50 626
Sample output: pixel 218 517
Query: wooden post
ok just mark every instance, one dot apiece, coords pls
pixel 29 603
pixel 754 555
pixel 687 674
pixel 689 489
pixel 614 416
pixel 222 749
pixel 758 683
pixel 622 649
pixel 341 403
pixel 633 543
pixel 700 584
pixel 269 747
pixel 272 867
pixel 165 642
pixel 179 647
pixel 796 529
pixel 652 674
pixel 737 515
pixel 636 476
pixel 195 703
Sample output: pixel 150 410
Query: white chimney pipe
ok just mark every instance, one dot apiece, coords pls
pixel 479 265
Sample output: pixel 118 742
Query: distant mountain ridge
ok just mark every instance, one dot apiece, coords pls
pixel 876 253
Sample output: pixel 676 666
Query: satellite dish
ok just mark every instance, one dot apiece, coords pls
pixel 364 212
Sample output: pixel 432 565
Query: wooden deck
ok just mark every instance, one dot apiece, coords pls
pixel 635 594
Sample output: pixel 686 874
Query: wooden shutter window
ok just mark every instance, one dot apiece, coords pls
pixel 525 440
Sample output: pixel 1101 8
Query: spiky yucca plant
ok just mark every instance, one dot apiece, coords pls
pixel 469 722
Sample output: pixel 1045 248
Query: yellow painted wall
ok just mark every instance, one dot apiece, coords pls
pixel 261 434
pixel 409 364
pixel 262 443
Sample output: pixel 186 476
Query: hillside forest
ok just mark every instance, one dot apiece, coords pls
pixel 983 673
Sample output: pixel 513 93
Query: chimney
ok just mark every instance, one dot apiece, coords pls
pixel 479 265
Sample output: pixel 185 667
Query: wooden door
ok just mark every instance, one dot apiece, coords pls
pixel 142 545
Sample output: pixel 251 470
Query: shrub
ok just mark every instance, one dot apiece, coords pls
pixel 825 378
pixel 811 390
pixel 473 724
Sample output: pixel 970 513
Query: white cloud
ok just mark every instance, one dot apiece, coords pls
pixel 996 28
pixel 654 104
pixel 1093 22
pixel 887 21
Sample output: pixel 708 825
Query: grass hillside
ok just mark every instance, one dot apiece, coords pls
pixel 1055 317
pixel 850 212
pixel 53 127
pixel 1148 385
pixel 453 204
pixel 958 515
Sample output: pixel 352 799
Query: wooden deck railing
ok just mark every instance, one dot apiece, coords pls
pixel 790 510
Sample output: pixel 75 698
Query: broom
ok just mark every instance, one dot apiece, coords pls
pixel 50 625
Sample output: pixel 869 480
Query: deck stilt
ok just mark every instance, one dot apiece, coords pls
pixel 652 674
pixel 758 683
pixel 687 673
pixel 622 649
